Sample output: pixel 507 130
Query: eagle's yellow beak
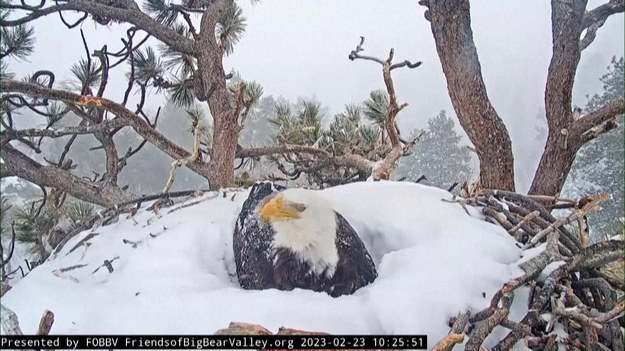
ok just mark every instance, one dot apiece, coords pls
pixel 274 210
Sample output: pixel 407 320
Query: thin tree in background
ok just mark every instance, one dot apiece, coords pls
pixel 439 155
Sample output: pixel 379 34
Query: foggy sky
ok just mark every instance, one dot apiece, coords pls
pixel 298 48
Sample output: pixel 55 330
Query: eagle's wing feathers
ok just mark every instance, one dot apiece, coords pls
pixel 355 268
pixel 252 241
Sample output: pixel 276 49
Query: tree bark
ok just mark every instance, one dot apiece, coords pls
pixel 105 195
pixel 215 91
pixel 567 134
pixel 129 118
pixel 451 26
pixel 121 10
pixel 225 141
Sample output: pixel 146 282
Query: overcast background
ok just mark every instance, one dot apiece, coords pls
pixel 298 48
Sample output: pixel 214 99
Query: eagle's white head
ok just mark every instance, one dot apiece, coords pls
pixel 304 223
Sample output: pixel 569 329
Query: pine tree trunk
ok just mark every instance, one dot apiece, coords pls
pixel 554 166
pixel 451 27
pixel 562 142
pixel 214 90
pixel 225 140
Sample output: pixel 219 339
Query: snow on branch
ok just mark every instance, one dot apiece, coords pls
pixel 585 124
pixel 565 279
pixel 575 290
pixel 11 326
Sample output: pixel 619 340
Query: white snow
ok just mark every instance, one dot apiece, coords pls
pixel 21 253
pixel 544 274
pixel 433 260
pixel 532 252
pixel 12 181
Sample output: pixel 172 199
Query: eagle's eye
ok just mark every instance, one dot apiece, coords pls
pixel 299 207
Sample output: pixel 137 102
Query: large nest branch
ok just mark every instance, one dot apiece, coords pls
pixel 281 149
pixel 320 158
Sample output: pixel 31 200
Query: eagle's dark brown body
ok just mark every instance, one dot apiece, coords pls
pixel 260 266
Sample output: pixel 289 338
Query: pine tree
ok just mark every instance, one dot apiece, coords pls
pixel 438 155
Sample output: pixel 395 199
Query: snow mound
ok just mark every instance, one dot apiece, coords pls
pixel 174 272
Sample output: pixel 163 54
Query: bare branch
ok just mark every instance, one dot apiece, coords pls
pixel 52 176
pixel 591 34
pixel 593 119
pixel 187 19
pixel 123 10
pixel 382 170
pixel 198 131
pixel 355 53
pixel 272 150
pixel 57 133
pixel 598 131
pixel 602 12
pixel 10 324
pixel 406 63
pixel 45 324
pixel 482 331
pixel 136 122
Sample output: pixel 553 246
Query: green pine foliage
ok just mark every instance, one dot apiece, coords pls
pixel 5 73
pixel 376 107
pixel 5 207
pixel 16 42
pixel 181 94
pixel 29 224
pixel 230 28
pixel 301 128
pixel 87 73
pixel 147 65
pixel 182 65
pixel 439 155
pixel 161 11
pixel 80 211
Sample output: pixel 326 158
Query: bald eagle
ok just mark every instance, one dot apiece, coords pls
pixel 292 238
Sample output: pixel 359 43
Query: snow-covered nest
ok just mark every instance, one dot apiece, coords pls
pixel 175 271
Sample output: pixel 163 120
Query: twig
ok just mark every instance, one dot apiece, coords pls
pixel 46 323
pixel 199 129
pixel 482 331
